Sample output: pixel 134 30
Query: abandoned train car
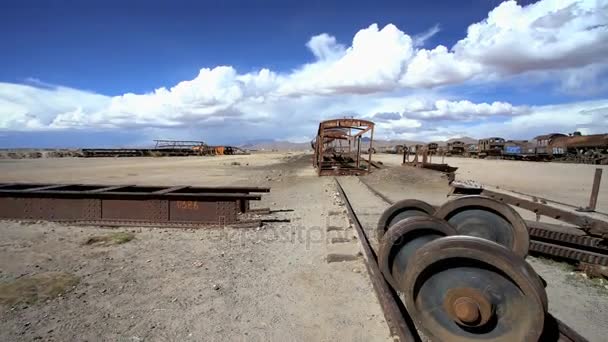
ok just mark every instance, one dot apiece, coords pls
pixel 491 147
pixel 339 144
pixel 456 148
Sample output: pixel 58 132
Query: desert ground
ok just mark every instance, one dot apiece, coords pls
pixel 272 283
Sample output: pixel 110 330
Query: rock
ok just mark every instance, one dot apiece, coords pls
pixel 216 287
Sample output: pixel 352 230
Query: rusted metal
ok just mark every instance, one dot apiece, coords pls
pixel 508 294
pixel 126 203
pixel 489 219
pixel 568 253
pixel 456 148
pixel 462 259
pixel 399 211
pixel 493 146
pixel 396 316
pixel 164 148
pixel 593 223
pixel 249 223
pixel 595 191
pixel 422 160
pixel 468 307
pixel 337 147
pixel 564 333
pixel 403 239
pixel 432 148
pixel 572 240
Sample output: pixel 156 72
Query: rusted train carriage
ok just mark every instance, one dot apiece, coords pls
pixel 515 149
pixel 592 149
pixel 491 147
pixel 338 147
pixel 543 145
pixel 456 148
pixel 432 148
pixel 471 150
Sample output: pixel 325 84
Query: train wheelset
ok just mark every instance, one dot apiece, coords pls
pixel 461 269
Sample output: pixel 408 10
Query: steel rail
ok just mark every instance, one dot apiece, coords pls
pixel 395 314
pixel 376 192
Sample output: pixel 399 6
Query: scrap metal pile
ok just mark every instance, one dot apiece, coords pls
pixel 457 273
pixel 129 205
pixel 339 145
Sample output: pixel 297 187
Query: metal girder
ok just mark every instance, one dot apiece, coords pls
pixel 145 204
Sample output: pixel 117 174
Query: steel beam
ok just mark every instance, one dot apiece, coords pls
pixel 126 203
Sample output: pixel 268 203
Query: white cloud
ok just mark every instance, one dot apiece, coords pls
pixel 462 110
pixel 373 63
pixel 383 70
pixel 420 39
pixel 325 47
pixel 590 117
pixel 547 35
pixel 24 107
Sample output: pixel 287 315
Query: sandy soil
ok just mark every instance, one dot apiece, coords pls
pixel 269 284
pixel 568 183
pixel 209 284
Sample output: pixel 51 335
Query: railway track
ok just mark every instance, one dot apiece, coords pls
pixel 410 320
pixel 549 242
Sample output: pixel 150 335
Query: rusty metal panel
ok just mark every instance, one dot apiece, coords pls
pixel 13 208
pixel 203 211
pixel 146 210
pixel 49 208
pixel 227 211
pixel 127 204
pixel 244 206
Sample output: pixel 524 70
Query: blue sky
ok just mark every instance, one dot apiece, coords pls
pixel 249 67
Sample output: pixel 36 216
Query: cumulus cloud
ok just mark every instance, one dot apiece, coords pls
pixel 372 63
pixel 382 73
pixel 325 47
pixel 546 35
pixel 420 39
pixel 463 110
pixel 386 116
pixel 590 117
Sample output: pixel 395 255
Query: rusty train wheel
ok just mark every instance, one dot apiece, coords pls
pixel 463 288
pixel 401 210
pixel 403 239
pixel 489 219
